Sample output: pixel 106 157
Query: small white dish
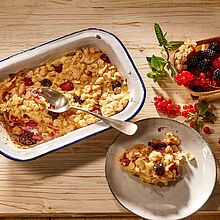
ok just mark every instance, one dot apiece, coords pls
pixel 33 57
pixel 167 202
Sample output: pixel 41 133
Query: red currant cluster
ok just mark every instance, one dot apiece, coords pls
pixel 189 109
pixel 184 78
pixel 166 106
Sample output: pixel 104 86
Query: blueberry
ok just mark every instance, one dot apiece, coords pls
pixel 46 83
pixel 159 169
pixel 116 85
pixel 54 115
pixel 77 99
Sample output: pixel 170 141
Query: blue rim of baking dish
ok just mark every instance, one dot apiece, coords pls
pixel 56 39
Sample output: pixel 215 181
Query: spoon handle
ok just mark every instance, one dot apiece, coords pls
pixel 122 126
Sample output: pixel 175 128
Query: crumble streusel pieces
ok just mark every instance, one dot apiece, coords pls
pixel 159 162
pixel 86 77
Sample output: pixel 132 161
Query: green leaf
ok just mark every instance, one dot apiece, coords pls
pixel 173 45
pixel 157 63
pixel 202 107
pixel 209 117
pixel 196 125
pixel 148 59
pixel 160 36
pixel 155 75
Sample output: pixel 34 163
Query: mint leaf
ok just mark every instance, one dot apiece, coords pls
pixel 160 36
pixel 202 107
pixel 173 45
pixel 209 117
pixel 148 59
pixel 157 63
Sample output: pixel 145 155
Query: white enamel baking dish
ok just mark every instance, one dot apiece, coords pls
pixel 30 58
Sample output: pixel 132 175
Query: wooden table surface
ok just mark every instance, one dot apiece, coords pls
pixel 71 182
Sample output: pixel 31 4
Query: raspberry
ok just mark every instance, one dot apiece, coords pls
pixel 31 123
pixel 58 68
pixel 204 65
pixel 216 63
pixel 15 120
pixel 46 83
pixel 97 109
pixel 4 94
pixel 67 86
pixel 37 137
pixel 105 58
pixel 28 81
pixel 217 74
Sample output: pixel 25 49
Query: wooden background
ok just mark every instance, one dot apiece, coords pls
pixel 71 182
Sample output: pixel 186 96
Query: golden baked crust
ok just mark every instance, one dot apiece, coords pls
pixel 85 77
pixel 159 162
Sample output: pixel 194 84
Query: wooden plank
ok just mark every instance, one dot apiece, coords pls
pixel 71 182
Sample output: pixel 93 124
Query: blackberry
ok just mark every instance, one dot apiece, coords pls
pixel 116 84
pixel 209 53
pixel 200 55
pixel 157 144
pixel 217 74
pixel 46 83
pixel 26 139
pixel 197 88
pixel 214 46
pixel 204 65
pixel 159 169
pixel 54 115
pixel 192 61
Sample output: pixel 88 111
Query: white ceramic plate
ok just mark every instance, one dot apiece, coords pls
pixel 91 37
pixel 168 202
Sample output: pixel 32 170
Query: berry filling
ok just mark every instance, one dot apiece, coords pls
pixel 67 86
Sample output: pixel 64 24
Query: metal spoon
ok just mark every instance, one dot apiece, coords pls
pixel 61 104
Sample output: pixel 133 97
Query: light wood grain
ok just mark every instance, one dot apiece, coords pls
pixel 72 182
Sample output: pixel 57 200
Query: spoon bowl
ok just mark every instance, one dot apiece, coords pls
pixel 59 103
